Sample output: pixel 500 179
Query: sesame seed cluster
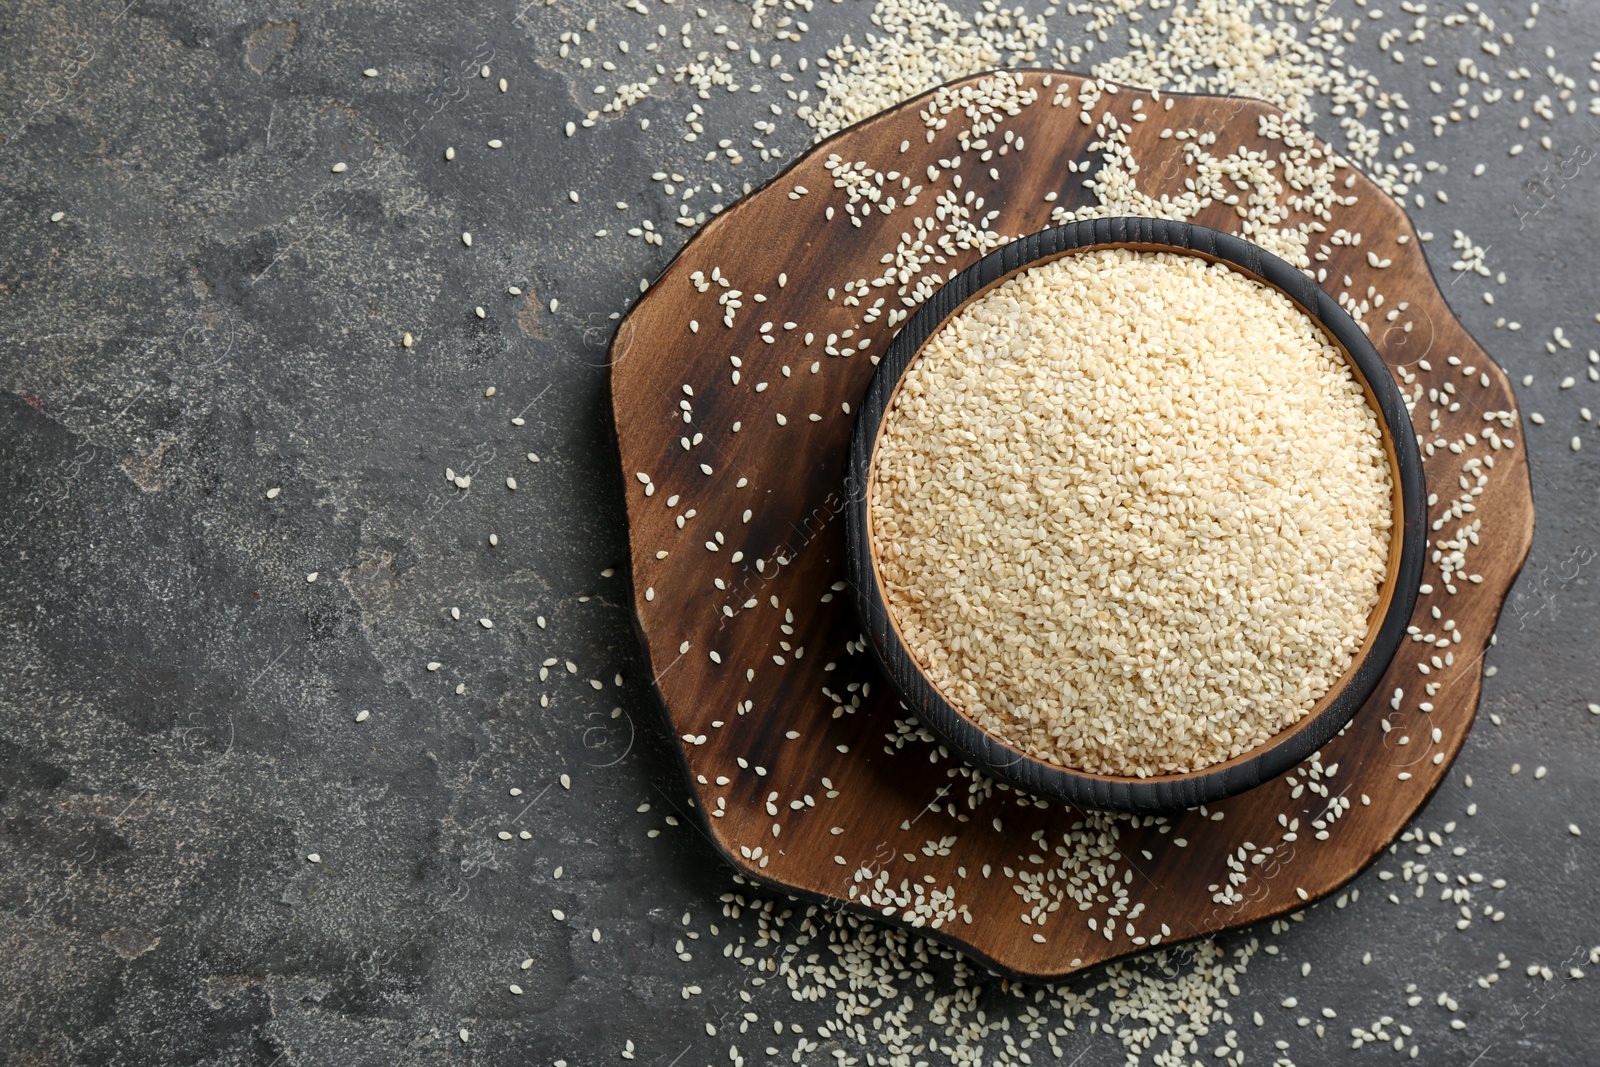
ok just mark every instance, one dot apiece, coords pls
pixel 1132 512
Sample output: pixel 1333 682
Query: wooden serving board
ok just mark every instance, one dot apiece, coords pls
pixel 808 772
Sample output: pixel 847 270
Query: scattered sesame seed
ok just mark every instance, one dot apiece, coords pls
pixel 921 69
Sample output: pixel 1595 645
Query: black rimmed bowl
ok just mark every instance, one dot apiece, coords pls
pixel 1385 630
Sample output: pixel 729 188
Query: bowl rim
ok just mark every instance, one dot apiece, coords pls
pixel 1334 711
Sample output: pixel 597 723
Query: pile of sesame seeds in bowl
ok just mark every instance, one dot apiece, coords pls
pixel 1131 512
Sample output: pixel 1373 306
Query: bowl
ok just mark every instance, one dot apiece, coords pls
pixel 1386 626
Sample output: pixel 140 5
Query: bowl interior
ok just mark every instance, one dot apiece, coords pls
pixel 1385 624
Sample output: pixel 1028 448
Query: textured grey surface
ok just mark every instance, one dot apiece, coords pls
pixel 217 314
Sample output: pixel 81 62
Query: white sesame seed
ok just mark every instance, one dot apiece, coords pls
pixel 966 557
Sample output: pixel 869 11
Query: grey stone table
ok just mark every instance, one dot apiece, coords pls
pixel 205 401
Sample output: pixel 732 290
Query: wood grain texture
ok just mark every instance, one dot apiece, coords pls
pixel 808 772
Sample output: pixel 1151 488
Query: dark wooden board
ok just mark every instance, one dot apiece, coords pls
pixel 795 729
